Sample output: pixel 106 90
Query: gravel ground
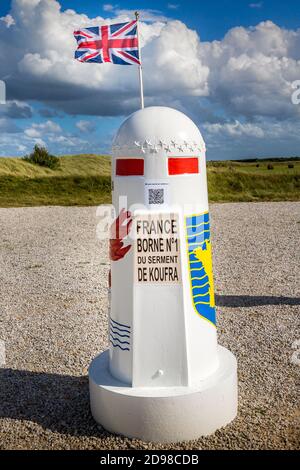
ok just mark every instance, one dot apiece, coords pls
pixel 53 320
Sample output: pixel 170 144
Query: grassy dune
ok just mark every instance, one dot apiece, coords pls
pixel 85 180
pixel 236 181
pixel 80 180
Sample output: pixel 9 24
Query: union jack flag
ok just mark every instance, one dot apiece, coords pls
pixel 115 43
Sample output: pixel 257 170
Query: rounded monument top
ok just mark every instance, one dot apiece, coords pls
pixel 158 128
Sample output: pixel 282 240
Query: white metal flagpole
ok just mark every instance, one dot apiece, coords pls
pixel 137 15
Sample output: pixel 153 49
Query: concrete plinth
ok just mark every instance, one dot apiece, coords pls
pixel 169 414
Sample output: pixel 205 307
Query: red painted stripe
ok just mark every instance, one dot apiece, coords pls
pixel 81 33
pixel 85 57
pixel 127 26
pixel 130 57
pixel 130 167
pixel 91 45
pixel 119 43
pixel 109 43
pixel 105 49
pixel 181 166
pixel 90 56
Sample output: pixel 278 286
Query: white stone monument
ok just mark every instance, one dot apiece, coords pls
pixel 164 378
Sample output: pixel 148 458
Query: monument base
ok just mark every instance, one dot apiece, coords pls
pixel 170 414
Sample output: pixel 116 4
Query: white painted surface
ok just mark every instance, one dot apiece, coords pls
pixel 169 381
pixel 155 134
pixel 168 414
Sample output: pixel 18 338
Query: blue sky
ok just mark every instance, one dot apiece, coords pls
pixel 212 19
pixel 235 79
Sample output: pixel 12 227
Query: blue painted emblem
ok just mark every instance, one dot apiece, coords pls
pixel 200 265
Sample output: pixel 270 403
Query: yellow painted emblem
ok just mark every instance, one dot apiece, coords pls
pixel 200 265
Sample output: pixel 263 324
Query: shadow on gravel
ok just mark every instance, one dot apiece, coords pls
pixel 252 301
pixel 56 402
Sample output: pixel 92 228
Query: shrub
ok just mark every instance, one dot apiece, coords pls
pixel 41 156
pixel 236 185
pixel 270 167
pixel 257 166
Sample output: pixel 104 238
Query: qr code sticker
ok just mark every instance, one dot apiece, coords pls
pixel 156 196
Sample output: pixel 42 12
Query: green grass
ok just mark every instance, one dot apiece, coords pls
pixel 85 180
pixel 236 181
pixel 80 180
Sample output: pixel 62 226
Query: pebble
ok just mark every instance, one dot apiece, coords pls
pixel 53 320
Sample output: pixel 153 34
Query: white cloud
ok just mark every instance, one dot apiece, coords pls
pixel 235 129
pixel 16 110
pixel 65 141
pixel 246 77
pixel 256 5
pixel 21 148
pixel 252 71
pixel 267 138
pixel 23 142
pixel 39 142
pixel 8 20
pixel 109 7
pixel 177 69
pixel 145 14
pixel 123 14
pixel 247 74
pixel 31 132
pixel 38 130
pixel 85 126
pixel 173 6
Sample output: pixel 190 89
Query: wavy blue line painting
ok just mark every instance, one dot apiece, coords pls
pixel 200 265
pixel 119 335
pixel 118 346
